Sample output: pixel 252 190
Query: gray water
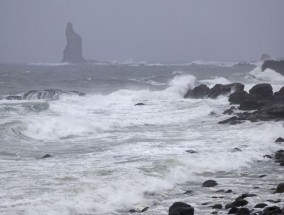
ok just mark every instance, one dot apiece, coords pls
pixel 109 156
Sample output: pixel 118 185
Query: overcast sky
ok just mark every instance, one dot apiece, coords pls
pixel 143 30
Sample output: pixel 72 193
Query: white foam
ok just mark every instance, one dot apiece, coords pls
pixel 268 75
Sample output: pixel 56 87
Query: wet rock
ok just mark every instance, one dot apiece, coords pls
pixel 138 210
pixel 180 208
pixel 220 89
pixel 228 112
pixel 214 212
pixel 282 163
pixel 250 105
pixel 280 188
pixel 188 192
pixel 245 195
pixel 237 203
pixel 267 156
pixel 236 150
pixel 229 191
pixel 139 104
pixel 279 156
pixel 233 211
pixel 198 92
pixel 279 140
pixel 73 50
pixel 262 176
pixel 262 92
pixel 243 211
pixel 210 183
pixel 240 96
pixel 46 156
pixel 190 151
pixel 277 66
pixel 273 210
pixel 231 121
pixel 217 206
pixel 273 201
pixel 260 205
pixel 279 96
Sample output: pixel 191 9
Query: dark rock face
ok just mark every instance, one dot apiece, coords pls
pixel 210 183
pixel 278 66
pixel 180 208
pixel 260 205
pixel 243 211
pixel 273 210
pixel 262 92
pixel 73 50
pixel 279 96
pixel 217 206
pixel 280 188
pixel 279 140
pixel 198 92
pixel 43 94
pixel 220 89
pixel 240 96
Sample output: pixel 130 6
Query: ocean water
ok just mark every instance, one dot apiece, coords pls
pixel 110 156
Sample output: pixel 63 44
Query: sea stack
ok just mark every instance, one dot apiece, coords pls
pixel 73 50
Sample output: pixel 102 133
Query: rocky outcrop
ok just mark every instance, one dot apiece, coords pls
pixel 73 50
pixel 203 91
pixel 198 92
pixel 278 66
pixel 220 89
pixel 51 94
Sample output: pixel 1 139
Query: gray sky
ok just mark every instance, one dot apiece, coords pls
pixel 144 30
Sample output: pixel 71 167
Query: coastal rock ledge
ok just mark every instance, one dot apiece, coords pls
pixel 73 50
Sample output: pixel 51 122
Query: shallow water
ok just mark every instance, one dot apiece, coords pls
pixel 110 156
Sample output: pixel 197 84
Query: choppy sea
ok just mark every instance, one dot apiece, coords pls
pixel 110 156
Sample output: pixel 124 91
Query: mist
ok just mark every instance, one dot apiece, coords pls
pixel 151 31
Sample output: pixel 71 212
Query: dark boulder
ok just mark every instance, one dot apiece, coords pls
pixel 210 183
pixel 277 66
pixel 233 210
pixel 190 151
pixel 46 156
pixel 262 92
pixel 260 205
pixel 220 89
pixel 279 156
pixel 228 112
pixel 240 96
pixel 243 211
pixel 217 206
pixel 139 104
pixel 180 208
pixel 73 50
pixel 279 140
pixel 237 203
pixel 280 188
pixel 274 110
pixel 198 92
pixel 273 210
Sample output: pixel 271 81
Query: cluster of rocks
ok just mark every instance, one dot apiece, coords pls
pixel 50 94
pixel 238 206
pixel 260 99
